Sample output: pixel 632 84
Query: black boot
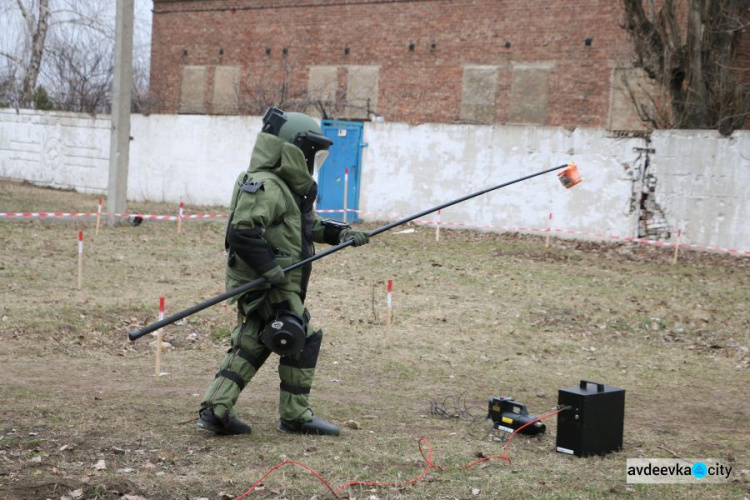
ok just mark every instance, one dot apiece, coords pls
pixel 314 426
pixel 223 426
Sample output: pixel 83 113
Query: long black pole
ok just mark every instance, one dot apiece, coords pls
pixel 260 281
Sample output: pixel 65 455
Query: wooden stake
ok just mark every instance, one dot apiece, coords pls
pixel 179 218
pixel 549 230
pixel 346 190
pixel 80 259
pixel 677 247
pixel 389 314
pixel 437 227
pixel 98 217
pixel 158 338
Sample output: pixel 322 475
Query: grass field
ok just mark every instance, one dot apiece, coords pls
pixel 475 315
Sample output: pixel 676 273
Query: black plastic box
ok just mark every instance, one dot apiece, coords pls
pixel 595 423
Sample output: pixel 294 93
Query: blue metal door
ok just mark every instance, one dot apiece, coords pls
pixel 345 154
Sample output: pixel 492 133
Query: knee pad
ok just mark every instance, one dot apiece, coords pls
pixel 284 334
pixel 309 356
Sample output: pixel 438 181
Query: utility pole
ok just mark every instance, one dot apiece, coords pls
pixel 119 143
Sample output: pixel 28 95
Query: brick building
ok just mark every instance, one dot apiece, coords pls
pixel 550 62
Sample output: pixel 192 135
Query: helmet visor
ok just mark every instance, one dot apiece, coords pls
pixel 311 144
pixel 320 158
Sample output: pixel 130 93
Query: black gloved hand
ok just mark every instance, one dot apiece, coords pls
pixel 359 237
pixel 274 275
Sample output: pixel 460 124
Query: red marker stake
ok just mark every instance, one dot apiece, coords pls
pixel 158 338
pixel 549 230
pixel 179 218
pixel 388 314
pixel 98 217
pixel 346 190
pixel 80 259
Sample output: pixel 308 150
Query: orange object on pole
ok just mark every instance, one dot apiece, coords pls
pixel 570 176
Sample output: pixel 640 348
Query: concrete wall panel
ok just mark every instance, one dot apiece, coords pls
pixel 407 169
pixel 58 150
pixel 703 184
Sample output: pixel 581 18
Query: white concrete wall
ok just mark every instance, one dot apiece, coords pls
pixel 194 159
pixel 702 178
pixel 406 169
pixel 190 158
pixel 55 149
pixel 703 185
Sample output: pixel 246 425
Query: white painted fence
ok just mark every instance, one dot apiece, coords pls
pixel 702 180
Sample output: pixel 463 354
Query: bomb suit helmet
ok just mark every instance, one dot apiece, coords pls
pixel 302 131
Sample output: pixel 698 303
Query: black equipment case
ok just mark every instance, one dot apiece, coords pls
pixel 594 424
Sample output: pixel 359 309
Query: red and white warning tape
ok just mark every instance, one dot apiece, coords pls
pixel 654 242
pixel 438 222
pixel 522 229
pixel 9 215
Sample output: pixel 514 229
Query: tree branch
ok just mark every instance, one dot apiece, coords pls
pixel 10 57
pixel 26 16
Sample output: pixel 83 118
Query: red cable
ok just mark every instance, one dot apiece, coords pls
pixel 310 470
pixel 427 459
pixel 505 456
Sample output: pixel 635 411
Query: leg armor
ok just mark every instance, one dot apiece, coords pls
pixel 240 364
pixel 296 374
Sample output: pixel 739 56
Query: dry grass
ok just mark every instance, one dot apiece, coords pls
pixel 476 315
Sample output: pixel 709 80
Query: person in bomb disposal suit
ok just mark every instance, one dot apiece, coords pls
pixel 271 226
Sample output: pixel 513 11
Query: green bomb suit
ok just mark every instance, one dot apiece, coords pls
pixel 272 203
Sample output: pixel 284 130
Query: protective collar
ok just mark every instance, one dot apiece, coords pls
pixel 286 160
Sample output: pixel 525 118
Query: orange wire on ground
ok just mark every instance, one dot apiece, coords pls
pixel 427 459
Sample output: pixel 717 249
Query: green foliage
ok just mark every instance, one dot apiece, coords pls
pixel 5 441
pixel 42 100
pixel 221 333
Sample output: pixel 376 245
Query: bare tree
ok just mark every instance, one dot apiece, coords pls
pixel 82 79
pixel 28 54
pixel 689 48
pixel 8 86
pixel 37 27
pixel 142 101
pixel 68 46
